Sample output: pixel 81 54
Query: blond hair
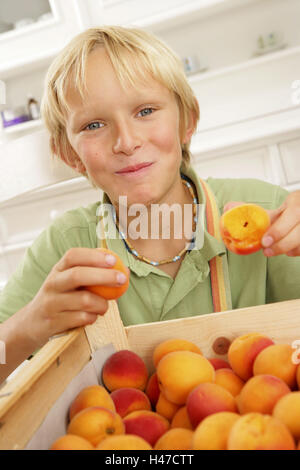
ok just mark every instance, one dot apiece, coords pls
pixel 133 53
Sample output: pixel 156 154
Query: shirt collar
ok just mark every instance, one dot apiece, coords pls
pixel 206 246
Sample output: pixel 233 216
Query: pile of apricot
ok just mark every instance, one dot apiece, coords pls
pixel 250 400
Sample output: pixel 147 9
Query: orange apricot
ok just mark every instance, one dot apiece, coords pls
pixel 175 439
pixel 287 410
pixel 219 363
pixel 171 345
pixel 257 431
pixel 112 292
pixel 261 393
pixel 277 360
pixel 180 371
pixel 96 423
pixel 212 433
pixel 206 399
pixel 147 424
pixel 124 369
pixel 94 395
pixel 71 442
pixel 129 399
pixel 243 350
pixel 229 380
pixel 165 407
pixel 243 227
pixel 181 419
pixel 123 442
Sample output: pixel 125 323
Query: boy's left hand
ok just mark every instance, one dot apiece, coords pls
pixel 283 235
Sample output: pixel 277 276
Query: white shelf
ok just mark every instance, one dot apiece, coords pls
pixel 35 62
pixel 24 126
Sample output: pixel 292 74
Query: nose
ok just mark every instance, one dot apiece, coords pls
pixel 126 138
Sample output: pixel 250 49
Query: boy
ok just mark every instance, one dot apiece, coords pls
pixel 121 112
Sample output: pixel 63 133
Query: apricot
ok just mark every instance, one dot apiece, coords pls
pixel 181 419
pixel 219 363
pixel 180 371
pixel 165 407
pixel 261 393
pixel 212 433
pixel 298 377
pixel 123 442
pixel 94 395
pixel 171 345
pixel 146 424
pixel 96 423
pixel 175 439
pixel 243 351
pixel 206 399
pixel 243 227
pixel 287 410
pixel 152 389
pixel 129 399
pixel 257 431
pixel 277 360
pixel 124 369
pixel 71 442
pixel 112 292
pixel 229 380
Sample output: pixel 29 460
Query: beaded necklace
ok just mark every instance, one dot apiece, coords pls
pixel 130 248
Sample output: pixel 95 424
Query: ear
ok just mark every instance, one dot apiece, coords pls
pixel 191 126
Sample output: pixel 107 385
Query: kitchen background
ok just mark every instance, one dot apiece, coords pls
pixel 242 58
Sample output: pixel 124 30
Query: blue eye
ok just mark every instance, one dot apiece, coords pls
pixel 93 125
pixel 146 111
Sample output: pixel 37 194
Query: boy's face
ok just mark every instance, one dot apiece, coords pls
pixel 113 129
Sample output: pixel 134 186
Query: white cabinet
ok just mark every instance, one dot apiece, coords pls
pixel 290 155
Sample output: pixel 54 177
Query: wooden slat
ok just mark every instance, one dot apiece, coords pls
pixel 281 321
pixel 27 398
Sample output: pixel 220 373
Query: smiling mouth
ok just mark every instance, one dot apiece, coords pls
pixel 135 168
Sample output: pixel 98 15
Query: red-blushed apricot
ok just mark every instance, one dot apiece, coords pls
pixel 165 407
pixel 149 425
pixel 243 227
pixel 129 399
pixel 71 442
pixel 152 389
pixel 257 431
pixel 219 363
pixel 179 372
pixel 206 399
pixel 213 431
pixel 243 351
pixel 229 380
pixel 175 439
pixel 171 345
pixel 287 410
pixel 181 419
pixel 123 442
pixel 112 292
pixel 277 360
pixel 261 393
pixel 124 369
pixel 96 423
pixel 94 395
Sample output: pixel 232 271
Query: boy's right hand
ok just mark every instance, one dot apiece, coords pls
pixel 62 302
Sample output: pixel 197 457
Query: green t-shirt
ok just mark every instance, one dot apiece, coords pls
pixel 153 295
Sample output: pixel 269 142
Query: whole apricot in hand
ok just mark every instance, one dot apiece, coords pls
pixel 243 227
pixel 112 292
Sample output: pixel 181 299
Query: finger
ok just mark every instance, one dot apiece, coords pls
pixel 82 300
pixel 274 214
pixel 287 244
pixel 82 276
pixel 284 223
pixel 85 257
pixel 65 321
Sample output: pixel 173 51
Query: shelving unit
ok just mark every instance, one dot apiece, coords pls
pixel 24 126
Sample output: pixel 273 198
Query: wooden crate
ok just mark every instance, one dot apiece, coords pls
pixel 26 400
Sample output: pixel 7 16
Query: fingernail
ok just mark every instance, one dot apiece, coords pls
pixel 110 260
pixel 269 252
pixel 121 278
pixel 267 241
